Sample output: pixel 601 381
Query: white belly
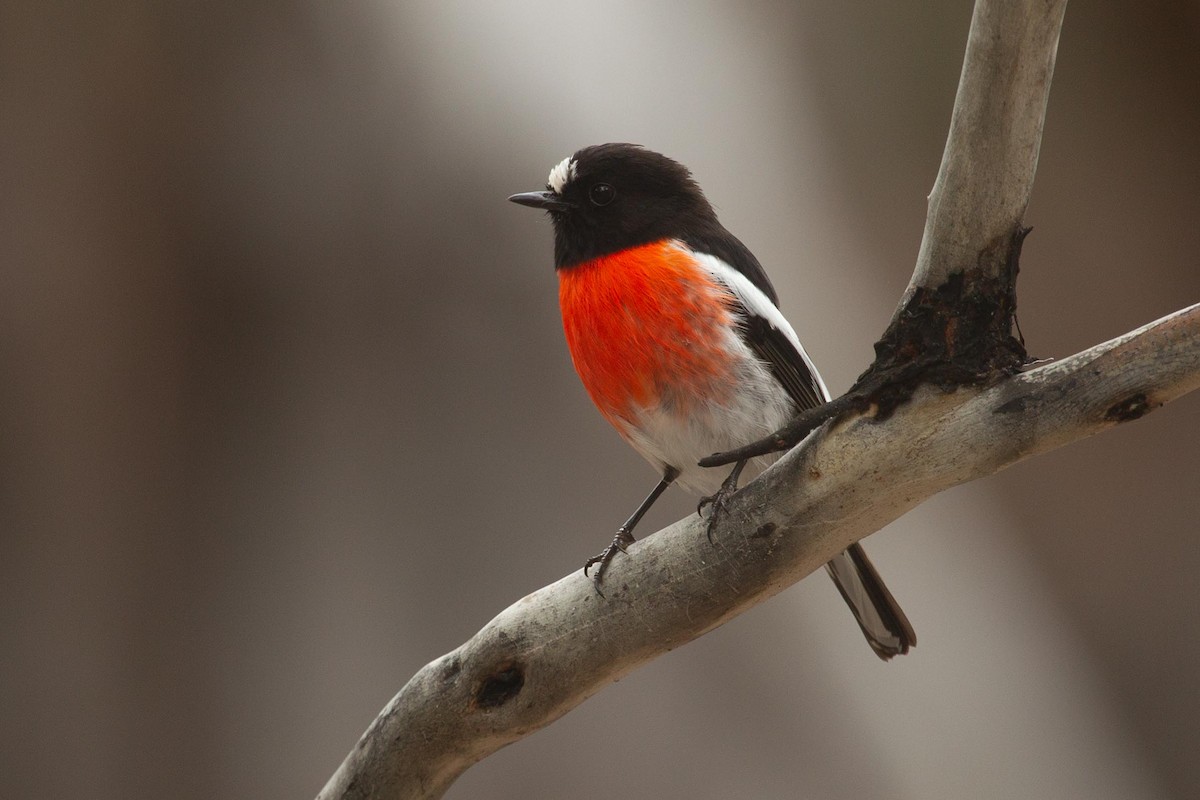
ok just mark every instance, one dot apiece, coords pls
pixel 756 405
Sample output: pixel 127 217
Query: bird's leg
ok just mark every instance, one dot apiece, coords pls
pixel 624 536
pixel 720 500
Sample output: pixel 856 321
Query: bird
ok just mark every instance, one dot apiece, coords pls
pixel 675 331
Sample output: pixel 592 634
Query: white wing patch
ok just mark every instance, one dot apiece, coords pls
pixel 562 174
pixel 756 303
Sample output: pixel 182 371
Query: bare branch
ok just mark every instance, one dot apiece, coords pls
pixel 986 176
pixel 554 648
pixel 954 323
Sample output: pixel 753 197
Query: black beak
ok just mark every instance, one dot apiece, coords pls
pixel 547 200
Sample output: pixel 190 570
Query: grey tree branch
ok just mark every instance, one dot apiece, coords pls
pixel 953 324
pixel 986 175
pixel 554 648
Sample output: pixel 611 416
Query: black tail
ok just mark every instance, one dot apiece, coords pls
pixel 887 630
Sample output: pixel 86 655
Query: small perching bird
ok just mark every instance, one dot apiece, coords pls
pixel 675 331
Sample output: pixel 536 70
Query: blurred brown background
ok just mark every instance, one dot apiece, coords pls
pixel 285 410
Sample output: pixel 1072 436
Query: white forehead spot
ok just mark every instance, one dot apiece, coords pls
pixel 562 174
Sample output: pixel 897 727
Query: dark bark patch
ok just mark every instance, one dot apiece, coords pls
pixel 502 685
pixel 764 530
pixel 957 334
pixel 1130 408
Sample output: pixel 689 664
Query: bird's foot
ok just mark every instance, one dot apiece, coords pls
pixel 621 541
pixel 719 501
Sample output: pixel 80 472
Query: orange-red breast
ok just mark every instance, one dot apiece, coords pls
pixel 674 328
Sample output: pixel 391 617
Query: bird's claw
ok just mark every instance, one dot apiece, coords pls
pixel 719 502
pixel 619 544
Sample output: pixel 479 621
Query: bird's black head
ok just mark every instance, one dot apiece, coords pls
pixel 609 197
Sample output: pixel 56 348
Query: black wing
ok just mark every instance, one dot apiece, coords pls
pixel 768 342
pixel 788 366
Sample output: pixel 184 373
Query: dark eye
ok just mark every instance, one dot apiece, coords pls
pixel 602 194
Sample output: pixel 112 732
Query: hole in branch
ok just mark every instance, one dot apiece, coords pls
pixel 502 685
pixel 1129 409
